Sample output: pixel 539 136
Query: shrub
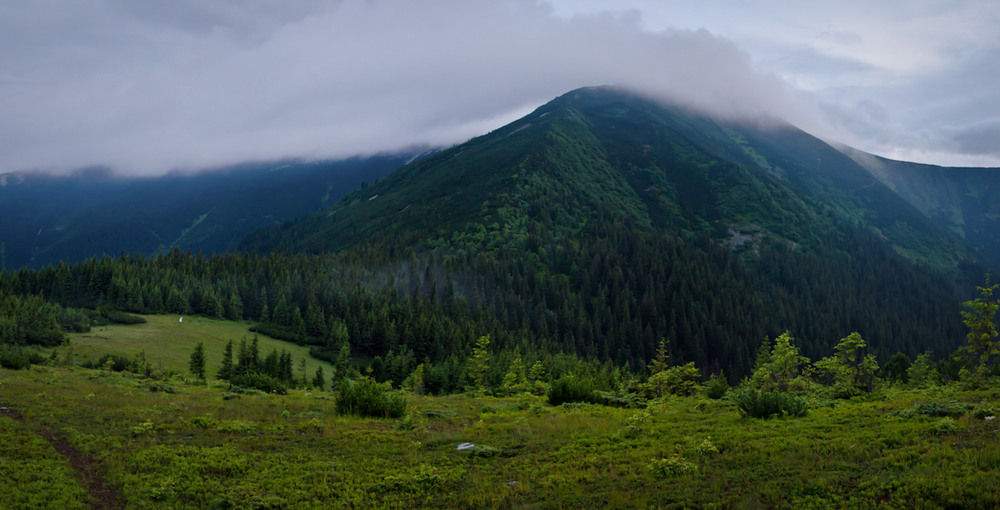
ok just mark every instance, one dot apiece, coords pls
pixel 677 380
pixel 765 404
pixel 369 398
pixel 16 357
pixel 113 363
pixel 670 467
pixel 938 409
pixel 259 381
pixel 117 317
pixel 945 426
pixel 570 388
pixel 717 386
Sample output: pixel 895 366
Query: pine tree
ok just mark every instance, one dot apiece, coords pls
pixel 226 370
pixel 319 381
pixel 197 363
pixel 982 344
pixel 662 359
pixel 479 364
pixel 343 362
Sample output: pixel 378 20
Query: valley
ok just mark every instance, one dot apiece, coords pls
pixel 611 302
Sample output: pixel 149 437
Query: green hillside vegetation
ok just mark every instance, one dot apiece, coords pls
pixel 963 200
pixel 181 444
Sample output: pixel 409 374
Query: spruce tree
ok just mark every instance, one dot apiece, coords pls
pixel 982 344
pixel 319 381
pixel 479 364
pixel 197 363
pixel 226 370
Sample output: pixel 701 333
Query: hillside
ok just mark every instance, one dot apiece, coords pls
pixel 601 151
pixel 962 200
pixel 52 219
pixel 603 222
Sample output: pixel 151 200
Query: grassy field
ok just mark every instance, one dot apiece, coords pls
pixel 168 343
pixel 180 444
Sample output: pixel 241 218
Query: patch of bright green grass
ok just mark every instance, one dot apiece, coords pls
pixel 168 343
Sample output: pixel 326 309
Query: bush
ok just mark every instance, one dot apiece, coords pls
pixel 259 381
pixel 673 466
pixel 117 317
pixel 369 398
pixel 717 386
pixel 677 380
pixel 945 426
pixel 765 404
pixel 16 357
pixel 939 409
pixel 75 320
pixel 113 363
pixel 570 388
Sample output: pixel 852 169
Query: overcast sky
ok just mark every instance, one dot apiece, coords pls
pixel 147 87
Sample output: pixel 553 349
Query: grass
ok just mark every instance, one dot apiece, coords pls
pixel 168 343
pixel 190 448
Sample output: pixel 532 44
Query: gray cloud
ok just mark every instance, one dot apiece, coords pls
pixel 146 87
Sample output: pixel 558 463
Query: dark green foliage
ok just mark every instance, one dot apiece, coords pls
pixel 848 372
pixel 197 363
pixel 319 380
pixel 767 404
pixel 366 397
pixel 939 409
pixel 116 363
pixel 676 380
pixel 896 368
pixel 982 337
pixel 16 357
pixel 226 367
pixel 75 320
pixel 29 319
pixel 117 317
pixel 259 381
pixel 571 388
pixel 717 386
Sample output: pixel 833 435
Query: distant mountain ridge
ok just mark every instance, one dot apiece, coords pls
pixel 965 201
pixel 50 219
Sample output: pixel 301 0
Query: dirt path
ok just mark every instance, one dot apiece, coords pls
pixel 100 495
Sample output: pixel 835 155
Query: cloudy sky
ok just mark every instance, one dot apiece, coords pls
pixel 147 87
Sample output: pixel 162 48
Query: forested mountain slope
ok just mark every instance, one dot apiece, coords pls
pixel 603 222
pixel 49 219
pixel 965 201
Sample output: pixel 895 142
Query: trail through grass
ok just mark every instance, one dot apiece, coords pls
pixel 181 444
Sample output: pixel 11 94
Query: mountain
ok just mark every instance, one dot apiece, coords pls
pixel 49 219
pixel 604 221
pixel 962 200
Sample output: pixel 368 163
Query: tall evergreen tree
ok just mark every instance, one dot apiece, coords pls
pixel 226 369
pixel 981 339
pixel 319 381
pixel 197 363
pixel 479 364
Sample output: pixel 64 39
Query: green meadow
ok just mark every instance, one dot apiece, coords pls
pixel 178 442
pixel 168 343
